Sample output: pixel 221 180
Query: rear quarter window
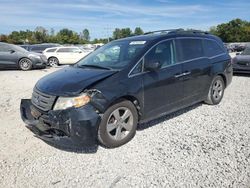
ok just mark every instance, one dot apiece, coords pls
pixel 188 49
pixel 212 48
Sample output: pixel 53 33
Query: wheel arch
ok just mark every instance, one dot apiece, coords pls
pixel 223 77
pixel 23 57
pixel 53 57
pixel 132 99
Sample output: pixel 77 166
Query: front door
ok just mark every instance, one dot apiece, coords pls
pixel 163 88
pixel 8 57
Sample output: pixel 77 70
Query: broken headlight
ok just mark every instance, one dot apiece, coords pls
pixel 63 103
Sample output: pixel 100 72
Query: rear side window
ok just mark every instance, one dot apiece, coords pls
pixel 188 49
pixel 212 48
pixel 51 50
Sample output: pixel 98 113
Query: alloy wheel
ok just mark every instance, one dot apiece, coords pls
pixel 120 123
pixel 25 64
pixel 217 90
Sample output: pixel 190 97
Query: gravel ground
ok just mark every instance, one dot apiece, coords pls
pixel 201 146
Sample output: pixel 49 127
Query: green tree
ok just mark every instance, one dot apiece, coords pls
pixel 138 31
pixel 85 35
pixel 236 30
pixel 67 36
pixel 3 38
pixel 40 34
pixel 121 33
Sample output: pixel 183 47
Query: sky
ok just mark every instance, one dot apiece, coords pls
pixel 101 17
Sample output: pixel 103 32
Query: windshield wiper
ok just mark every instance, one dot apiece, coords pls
pixel 95 66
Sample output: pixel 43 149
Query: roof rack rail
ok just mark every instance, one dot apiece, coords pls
pixel 197 31
pixel 163 31
pixel 167 31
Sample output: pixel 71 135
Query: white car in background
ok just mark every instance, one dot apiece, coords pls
pixel 64 55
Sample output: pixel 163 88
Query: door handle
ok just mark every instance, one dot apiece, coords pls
pixel 178 75
pixel 186 73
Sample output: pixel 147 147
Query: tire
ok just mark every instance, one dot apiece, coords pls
pixel 216 91
pixel 25 64
pixel 116 129
pixel 53 61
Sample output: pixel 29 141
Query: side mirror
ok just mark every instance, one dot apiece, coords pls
pixel 152 65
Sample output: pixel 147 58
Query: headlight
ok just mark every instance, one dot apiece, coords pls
pixel 67 102
pixel 35 56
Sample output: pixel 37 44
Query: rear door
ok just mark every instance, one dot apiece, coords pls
pixel 196 68
pixel 163 89
pixel 64 55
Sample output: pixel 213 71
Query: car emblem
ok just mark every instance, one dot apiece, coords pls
pixel 37 100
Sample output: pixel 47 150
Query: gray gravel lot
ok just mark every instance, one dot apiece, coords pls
pixel 201 146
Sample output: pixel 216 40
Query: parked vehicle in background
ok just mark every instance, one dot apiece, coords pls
pixel 64 55
pixel 39 48
pixel 13 56
pixel 241 62
pixel 131 80
pixel 25 46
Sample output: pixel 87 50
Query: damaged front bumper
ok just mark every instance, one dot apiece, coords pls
pixel 73 127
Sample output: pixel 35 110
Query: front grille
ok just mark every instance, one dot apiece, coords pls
pixel 42 101
pixel 244 64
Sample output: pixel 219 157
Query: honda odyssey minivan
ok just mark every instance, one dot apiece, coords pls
pixel 108 93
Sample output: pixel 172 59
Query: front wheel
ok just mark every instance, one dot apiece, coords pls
pixel 216 91
pixel 25 64
pixel 118 125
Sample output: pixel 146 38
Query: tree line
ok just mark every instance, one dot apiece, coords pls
pixel 236 30
pixel 64 36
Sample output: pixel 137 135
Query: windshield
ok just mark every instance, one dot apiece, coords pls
pixel 246 52
pixel 115 55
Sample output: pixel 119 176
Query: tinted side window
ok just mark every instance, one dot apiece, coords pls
pixel 188 49
pixel 212 48
pixel 37 48
pixel 163 53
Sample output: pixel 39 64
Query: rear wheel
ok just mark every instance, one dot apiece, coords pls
pixel 216 91
pixel 53 61
pixel 25 64
pixel 118 125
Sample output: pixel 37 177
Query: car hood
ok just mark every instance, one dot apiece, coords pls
pixel 242 57
pixel 71 81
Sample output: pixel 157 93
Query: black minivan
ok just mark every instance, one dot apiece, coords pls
pixel 105 95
